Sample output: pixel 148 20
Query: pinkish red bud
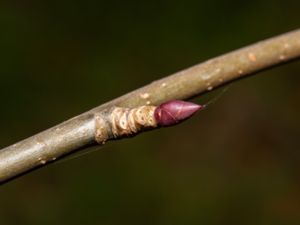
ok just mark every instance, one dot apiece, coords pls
pixel 175 111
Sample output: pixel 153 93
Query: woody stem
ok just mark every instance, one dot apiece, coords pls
pixel 79 131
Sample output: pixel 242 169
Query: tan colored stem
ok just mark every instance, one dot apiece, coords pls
pixel 79 132
pixel 123 122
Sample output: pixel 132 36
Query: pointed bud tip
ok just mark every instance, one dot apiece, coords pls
pixel 175 111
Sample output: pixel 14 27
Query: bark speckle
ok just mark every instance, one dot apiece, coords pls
pixel 145 95
pixel 41 160
pixel 252 57
pixel 282 57
pixel 205 76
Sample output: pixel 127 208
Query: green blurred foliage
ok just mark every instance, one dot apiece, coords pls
pixel 235 163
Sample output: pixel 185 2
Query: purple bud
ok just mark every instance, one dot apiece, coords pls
pixel 175 111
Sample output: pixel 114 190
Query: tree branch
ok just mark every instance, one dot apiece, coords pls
pixel 79 132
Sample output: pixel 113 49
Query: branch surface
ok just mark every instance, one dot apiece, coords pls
pixel 79 132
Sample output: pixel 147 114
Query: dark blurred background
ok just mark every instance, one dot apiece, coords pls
pixel 235 163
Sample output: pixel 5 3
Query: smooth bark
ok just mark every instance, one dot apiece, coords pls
pixel 79 132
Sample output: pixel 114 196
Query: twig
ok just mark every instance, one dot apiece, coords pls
pixel 79 131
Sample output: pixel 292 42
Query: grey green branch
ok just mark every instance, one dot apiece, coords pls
pixel 79 132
